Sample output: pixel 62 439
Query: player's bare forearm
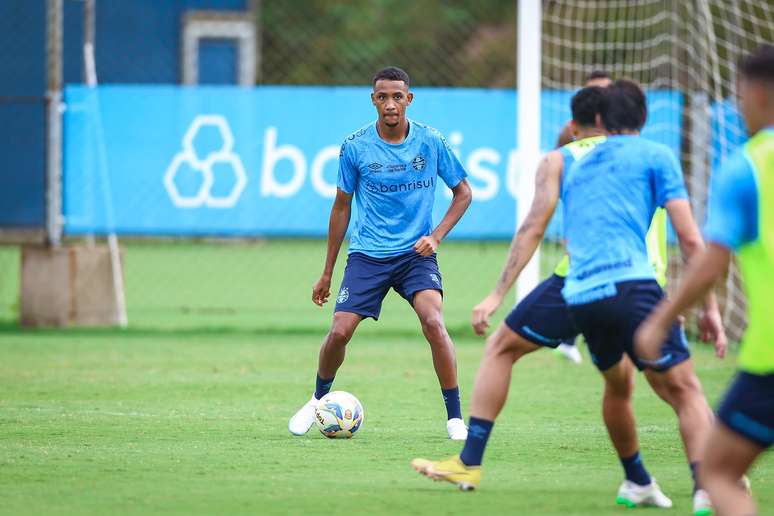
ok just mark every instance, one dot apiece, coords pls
pixel 462 196
pixel 530 233
pixel 427 245
pixel 687 231
pixel 689 237
pixel 702 273
pixel 337 228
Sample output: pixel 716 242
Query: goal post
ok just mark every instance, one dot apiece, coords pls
pixel 528 125
pixel 685 55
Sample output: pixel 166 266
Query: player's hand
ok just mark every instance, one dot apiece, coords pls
pixel 426 245
pixel 321 290
pixel 711 330
pixel 483 311
pixel 649 338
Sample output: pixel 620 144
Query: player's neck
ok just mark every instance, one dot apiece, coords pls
pixel 582 135
pixel 394 135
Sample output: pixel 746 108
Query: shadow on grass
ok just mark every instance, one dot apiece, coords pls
pixel 13 328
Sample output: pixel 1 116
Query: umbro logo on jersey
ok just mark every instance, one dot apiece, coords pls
pixel 419 163
pixel 375 166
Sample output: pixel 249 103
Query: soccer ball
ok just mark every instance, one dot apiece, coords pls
pixel 338 414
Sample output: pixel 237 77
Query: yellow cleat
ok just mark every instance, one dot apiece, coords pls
pixel 452 470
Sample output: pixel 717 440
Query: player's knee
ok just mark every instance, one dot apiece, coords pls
pixel 684 388
pixel 500 346
pixel 433 326
pixel 620 388
pixel 340 334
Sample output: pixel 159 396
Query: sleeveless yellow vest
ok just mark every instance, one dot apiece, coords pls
pixel 756 260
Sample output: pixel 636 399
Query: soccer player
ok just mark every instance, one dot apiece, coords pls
pixel 611 286
pixel 657 234
pixel 741 219
pixel 675 382
pixel 391 168
pixel 568 348
pixel 541 320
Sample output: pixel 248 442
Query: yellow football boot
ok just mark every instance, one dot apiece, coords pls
pixel 452 470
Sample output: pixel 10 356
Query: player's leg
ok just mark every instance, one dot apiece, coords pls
pixel 428 305
pixel 490 391
pixel 418 280
pixel 539 320
pixel 743 429
pixel 602 324
pixel 727 458
pixel 503 348
pixel 330 359
pixel 334 348
pixel 362 291
pixel 680 388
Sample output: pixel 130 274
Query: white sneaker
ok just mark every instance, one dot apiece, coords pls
pixel 456 429
pixel 571 353
pixel 303 420
pixel 702 505
pixel 632 495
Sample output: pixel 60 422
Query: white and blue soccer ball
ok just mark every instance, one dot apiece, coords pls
pixel 338 414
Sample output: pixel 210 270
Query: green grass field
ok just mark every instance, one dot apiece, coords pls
pixel 186 411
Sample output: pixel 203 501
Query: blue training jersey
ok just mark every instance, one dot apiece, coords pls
pixel 609 198
pixel 394 186
pixel 732 218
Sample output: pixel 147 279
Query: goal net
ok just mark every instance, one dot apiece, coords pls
pixel 685 55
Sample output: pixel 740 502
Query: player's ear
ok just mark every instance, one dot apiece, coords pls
pixel 574 129
pixel 409 98
pixel 598 121
pixel 373 99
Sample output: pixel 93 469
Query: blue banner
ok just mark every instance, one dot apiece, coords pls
pixel 168 160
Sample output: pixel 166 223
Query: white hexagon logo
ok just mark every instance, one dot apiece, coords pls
pixel 224 155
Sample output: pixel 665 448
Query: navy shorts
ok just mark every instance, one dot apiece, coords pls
pixel 609 325
pixel 748 408
pixel 542 317
pixel 367 280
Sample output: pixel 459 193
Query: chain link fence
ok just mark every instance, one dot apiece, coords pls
pixel 199 278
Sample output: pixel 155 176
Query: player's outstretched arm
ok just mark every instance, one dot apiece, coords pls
pixel 526 239
pixel 462 196
pixel 703 271
pixel 337 228
pixel 692 247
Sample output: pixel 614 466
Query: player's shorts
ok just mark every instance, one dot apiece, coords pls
pixel 542 317
pixel 609 325
pixel 748 408
pixel 367 280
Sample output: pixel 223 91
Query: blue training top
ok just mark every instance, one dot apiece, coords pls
pixel 732 218
pixel 394 186
pixel 609 198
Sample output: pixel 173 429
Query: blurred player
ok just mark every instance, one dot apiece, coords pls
pixel 391 168
pixel 539 320
pixel 741 219
pixel 657 234
pixel 611 286
pixel 569 349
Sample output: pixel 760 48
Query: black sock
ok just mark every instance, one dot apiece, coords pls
pixel 322 387
pixel 478 435
pixel 451 398
pixel 694 466
pixel 635 470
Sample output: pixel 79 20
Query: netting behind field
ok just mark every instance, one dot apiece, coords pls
pixel 685 55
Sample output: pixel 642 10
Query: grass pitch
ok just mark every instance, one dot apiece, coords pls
pixel 186 412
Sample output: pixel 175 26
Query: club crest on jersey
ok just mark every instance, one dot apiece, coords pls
pixel 343 295
pixel 419 163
